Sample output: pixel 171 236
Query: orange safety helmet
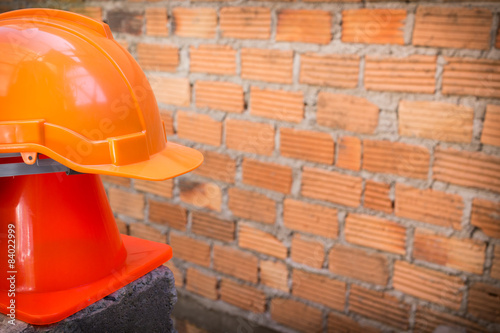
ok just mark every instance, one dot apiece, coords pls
pixel 68 90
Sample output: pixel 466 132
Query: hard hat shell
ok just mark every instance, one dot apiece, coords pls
pixel 70 91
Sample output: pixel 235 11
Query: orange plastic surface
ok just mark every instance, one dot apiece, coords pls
pixel 69 253
pixel 70 91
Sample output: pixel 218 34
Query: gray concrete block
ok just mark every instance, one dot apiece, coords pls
pixel 144 305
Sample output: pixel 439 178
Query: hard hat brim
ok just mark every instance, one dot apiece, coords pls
pixel 173 161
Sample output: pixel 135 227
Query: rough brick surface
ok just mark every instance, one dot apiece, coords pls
pixel 429 206
pixel 190 249
pixel 349 153
pixel 307 251
pixel 213 59
pixel 277 104
pixel 467 76
pixel 242 296
pixel 435 120
pixel 495 267
pixel 251 137
pixel 260 241
pixel 267 65
pixel 428 284
pixel 224 96
pixel 334 70
pixel 245 22
pixel 201 283
pixel 167 214
pixel 379 306
pixel 467 168
pixel 274 274
pixel 452 27
pixel 174 91
pixel 156 21
pixel 396 158
pixel 251 205
pixel 427 320
pixel 462 254
pixel 195 22
pixel 307 145
pixel 296 314
pixel 491 127
pixel 127 203
pixel 236 263
pixel 359 264
pixel 331 186
pixel 319 289
pixel 414 74
pixel 213 227
pixel 343 324
pixel 161 188
pixel 217 166
pixel 350 113
pixel 199 127
pixel 484 302
pixel 310 218
pixel 377 196
pixel 201 194
pixel 373 26
pixel 271 176
pixel 486 216
pixel 375 232
pixel 307 26
pixel 146 232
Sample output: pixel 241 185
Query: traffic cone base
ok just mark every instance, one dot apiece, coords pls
pixel 68 251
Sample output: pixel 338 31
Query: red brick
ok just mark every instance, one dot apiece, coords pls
pixel 125 21
pixel 261 241
pixel 465 168
pixel 429 206
pixel 495 267
pixel 277 104
pixel 217 166
pixel 122 181
pixel 204 195
pixel 463 254
pixel 245 22
pixel 497 42
pixel 199 127
pixel 303 25
pixel 375 232
pixel 252 205
pixel 468 76
pixel 427 320
pixel 428 284
pixel 92 12
pixel 267 65
pixel 224 96
pixel 146 232
pixel 171 90
pixel 307 145
pixel 484 302
pixel 452 27
pixel 373 26
pixel 168 121
pixel 343 324
pixel 350 113
pixel 414 74
pixel 349 155
pixel 195 22
pixel 178 275
pixel 127 203
pixel 122 227
pixel 435 120
pixel 274 274
pixel 486 216
pixel 250 137
pixel 213 227
pixel 396 158
pixel 190 249
pixel 319 289
pixel 156 22
pixel 491 126
pixel 201 283
pixel 307 251
pixel 377 196
pixel 236 263
pixel 161 188
pixel 213 59
pixel 379 306
pixel 310 218
pixel 368 267
pixel 242 296
pixel 271 176
pixel 331 186
pixel 333 70
pixel 167 214
pixel 297 315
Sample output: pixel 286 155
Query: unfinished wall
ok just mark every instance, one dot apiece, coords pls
pixel 352 158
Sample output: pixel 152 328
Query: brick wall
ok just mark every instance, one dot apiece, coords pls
pixel 352 158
